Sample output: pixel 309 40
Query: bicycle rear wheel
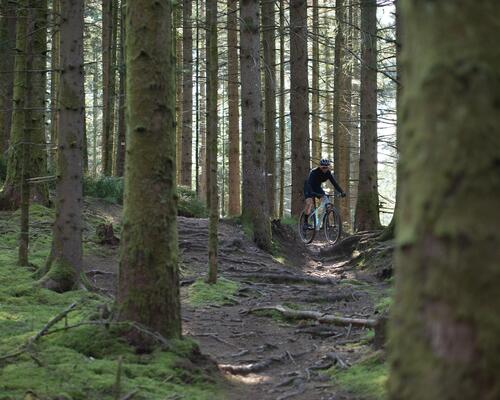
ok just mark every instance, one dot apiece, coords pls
pixel 332 226
pixel 307 235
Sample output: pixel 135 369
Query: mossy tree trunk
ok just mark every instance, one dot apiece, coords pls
pixel 65 263
pixel 299 102
pixel 212 125
pixel 254 183
pixel 269 49
pixel 7 46
pixel 148 288
pixel 341 111
pixel 10 196
pixel 445 330
pixel 233 109
pixel 367 205
pixel 187 95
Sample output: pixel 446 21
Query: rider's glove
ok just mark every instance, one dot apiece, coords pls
pixel 343 194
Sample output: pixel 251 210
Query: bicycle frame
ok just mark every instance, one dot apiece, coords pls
pixel 325 201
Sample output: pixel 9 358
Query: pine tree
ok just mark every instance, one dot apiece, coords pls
pixel 65 263
pixel 367 207
pixel 148 288
pixel 445 325
pixel 299 103
pixel 254 183
pixel 234 108
pixel 187 95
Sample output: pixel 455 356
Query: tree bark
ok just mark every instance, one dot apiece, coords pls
pixel 66 259
pixel 7 46
pixel 299 103
pixel 282 111
pixel 315 131
pixel 187 95
pixel 341 113
pixel 269 49
pixel 178 84
pixel 212 125
pixel 234 109
pixel 121 137
pixel 54 82
pixel 148 288
pixel 367 206
pixel 254 182
pixel 445 329
pixel 108 84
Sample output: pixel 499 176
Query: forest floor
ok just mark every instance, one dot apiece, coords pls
pixel 261 353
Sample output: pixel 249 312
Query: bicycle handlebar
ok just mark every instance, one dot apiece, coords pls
pixel 327 195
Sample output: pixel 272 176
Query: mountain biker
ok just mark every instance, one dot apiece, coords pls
pixel 312 186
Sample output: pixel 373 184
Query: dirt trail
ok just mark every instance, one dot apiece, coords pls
pixel 294 353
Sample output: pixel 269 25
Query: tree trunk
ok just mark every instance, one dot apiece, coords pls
pixel 148 288
pixel 299 103
pixel 95 106
pixel 23 252
pixel 212 124
pixel 445 328
pixel 187 95
pixel 178 92
pixel 269 48
pixel 66 258
pixel 120 145
pixel 282 111
pixel 341 113
pixel 315 133
pixel 7 46
pixel 234 109
pixel 54 82
pixel 367 206
pixel 254 182
pixel 10 196
pixel 108 84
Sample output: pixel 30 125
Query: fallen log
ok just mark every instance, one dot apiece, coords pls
pixel 318 316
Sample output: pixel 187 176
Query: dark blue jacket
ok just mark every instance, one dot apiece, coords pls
pixel 315 179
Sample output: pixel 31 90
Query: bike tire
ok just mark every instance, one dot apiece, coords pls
pixel 307 236
pixel 332 226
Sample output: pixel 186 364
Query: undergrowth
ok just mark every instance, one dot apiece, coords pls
pixel 79 362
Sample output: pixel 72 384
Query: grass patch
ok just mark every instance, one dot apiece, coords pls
pixel 384 304
pixel 201 293
pixel 290 221
pixel 366 379
pixel 79 363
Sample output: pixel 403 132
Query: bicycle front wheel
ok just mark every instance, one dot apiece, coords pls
pixel 307 229
pixel 332 226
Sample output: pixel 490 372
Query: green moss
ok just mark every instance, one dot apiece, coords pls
pixel 366 379
pixel 384 304
pixel 78 363
pixel 201 293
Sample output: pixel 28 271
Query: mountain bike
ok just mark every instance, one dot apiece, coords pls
pixel 325 217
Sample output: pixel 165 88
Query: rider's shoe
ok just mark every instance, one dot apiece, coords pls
pixel 306 227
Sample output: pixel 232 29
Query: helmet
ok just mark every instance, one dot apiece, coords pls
pixel 324 162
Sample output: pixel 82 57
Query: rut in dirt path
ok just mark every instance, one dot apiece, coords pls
pixel 263 355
